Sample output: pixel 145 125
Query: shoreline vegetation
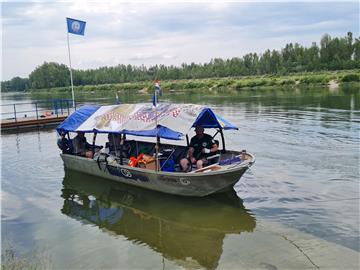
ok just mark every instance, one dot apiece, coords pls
pixel 331 79
pixel 334 59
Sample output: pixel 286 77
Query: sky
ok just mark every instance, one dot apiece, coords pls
pixel 161 32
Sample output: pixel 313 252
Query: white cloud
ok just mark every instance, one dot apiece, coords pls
pixel 323 25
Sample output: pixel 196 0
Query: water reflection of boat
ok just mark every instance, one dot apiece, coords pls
pixel 182 230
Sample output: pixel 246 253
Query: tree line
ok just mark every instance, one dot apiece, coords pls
pixel 331 54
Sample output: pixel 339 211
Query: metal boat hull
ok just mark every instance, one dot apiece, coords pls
pixel 183 184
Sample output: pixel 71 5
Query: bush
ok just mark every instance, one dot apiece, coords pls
pixel 238 85
pixel 313 79
pixel 256 82
pixel 287 82
pixel 351 78
pixel 194 84
pixel 225 82
pixel 272 82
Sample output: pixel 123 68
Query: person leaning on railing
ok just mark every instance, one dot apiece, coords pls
pixel 202 146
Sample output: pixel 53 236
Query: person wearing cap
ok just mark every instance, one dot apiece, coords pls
pixel 202 145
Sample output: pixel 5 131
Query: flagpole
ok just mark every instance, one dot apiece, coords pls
pixel 157 144
pixel 71 77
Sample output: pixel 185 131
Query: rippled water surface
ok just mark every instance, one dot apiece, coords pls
pixel 306 177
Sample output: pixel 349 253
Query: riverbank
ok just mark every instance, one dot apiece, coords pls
pixel 328 78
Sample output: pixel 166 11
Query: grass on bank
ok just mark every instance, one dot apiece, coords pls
pixel 231 83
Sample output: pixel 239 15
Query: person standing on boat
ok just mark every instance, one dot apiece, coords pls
pixel 202 145
pixel 81 146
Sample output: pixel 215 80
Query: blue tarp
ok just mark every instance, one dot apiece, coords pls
pixel 226 124
pixel 208 119
pixel 170 129
pixel 77 118
pixel 163 132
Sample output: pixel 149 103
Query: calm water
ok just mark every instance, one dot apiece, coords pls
pixel 306 177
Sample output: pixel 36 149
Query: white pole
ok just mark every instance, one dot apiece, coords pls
pixel 157 143
pixel 71 77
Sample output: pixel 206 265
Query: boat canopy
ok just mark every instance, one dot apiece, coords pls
pixel 173 120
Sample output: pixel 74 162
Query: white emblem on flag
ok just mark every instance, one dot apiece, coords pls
pixel 75 26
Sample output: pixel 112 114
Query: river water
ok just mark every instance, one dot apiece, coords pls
pixel 306 177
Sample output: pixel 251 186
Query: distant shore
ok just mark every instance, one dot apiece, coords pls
pixel 332 79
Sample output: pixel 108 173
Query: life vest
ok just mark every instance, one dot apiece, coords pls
pixel 134 161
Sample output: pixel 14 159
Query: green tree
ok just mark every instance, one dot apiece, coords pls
pixel 356 50
pixel 15 84
pixel 49 75
pixel 325 54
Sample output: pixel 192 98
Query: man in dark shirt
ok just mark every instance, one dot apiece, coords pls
pixel 64 144
pixel 81 146
pixel 202 146
pixel 114 143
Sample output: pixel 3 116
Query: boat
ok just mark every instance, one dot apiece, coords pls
pixel 161 140
pixel 187 231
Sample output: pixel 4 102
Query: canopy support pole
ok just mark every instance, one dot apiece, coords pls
pixel 157 137
pixel 93 144
pixel 122 141
pixel 223 140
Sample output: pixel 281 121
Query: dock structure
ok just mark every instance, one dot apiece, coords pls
pixel 30 122
pixel 35 115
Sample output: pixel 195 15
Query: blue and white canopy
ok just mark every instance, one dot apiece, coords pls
pixel 174 120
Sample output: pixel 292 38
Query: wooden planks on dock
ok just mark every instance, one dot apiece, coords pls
pixel 31 122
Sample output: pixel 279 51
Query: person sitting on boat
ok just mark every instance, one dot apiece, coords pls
pixel 117 146
pixel 64 144
pixel 114 143
pixel 82 147
pixel 202 145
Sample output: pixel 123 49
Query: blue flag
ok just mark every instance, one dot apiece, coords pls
pixel 75 26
